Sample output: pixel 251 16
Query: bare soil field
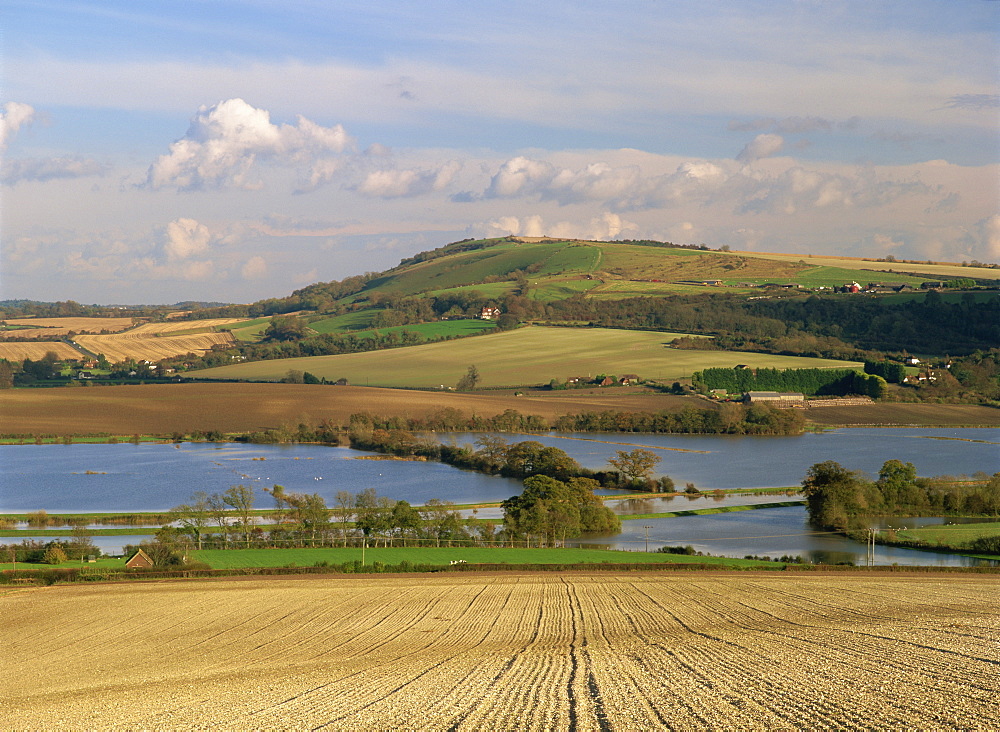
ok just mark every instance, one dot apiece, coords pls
pixel 167 408
pixel 35 350
pixel 877 414
pixel 506 652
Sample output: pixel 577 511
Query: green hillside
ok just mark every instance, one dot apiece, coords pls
pixel 553 269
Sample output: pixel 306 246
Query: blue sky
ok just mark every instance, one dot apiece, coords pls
pixel 156 152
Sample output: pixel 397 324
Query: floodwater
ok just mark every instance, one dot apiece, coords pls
pixel 156 477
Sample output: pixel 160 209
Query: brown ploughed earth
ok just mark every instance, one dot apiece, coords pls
pixel 162 409
pixel 168 408
pixel 518 651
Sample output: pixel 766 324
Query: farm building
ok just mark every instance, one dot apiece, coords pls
pixel 138 560
pixel 776 398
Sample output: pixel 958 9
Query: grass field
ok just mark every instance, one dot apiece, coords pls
pixel 161 409
pixel 950 534
pixel 531 355
pixel 35 350
pixel 238 558
pixel 605 651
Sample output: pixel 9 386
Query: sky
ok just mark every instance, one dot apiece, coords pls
pixel 223 150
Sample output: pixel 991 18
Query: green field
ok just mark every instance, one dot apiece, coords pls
pixel 531 355
pixel 346 323
pixel 239 558
pixel 248 330
pixel 953 535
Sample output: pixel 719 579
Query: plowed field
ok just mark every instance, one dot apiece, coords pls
pixel 513 652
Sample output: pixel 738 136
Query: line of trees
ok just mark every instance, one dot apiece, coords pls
pixel 838 498
pixel 833 382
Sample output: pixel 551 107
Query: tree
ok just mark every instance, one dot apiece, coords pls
pixel 308 511
pixel 507 322
pixel 346 504
pixel 469 380
pixel 492 452
pixel 636 465
pixel 285 328
pixel 557 510
pixel 894 478
pixel 832 494
pixel 241 499
pixel 193 517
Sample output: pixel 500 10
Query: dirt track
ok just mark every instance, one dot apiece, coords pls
pixel 608 651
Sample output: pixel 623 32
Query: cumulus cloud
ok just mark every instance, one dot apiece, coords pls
pixel 520 176
pixel 604 227
pixel 407 183
pixel 224 141
pixel 798 189
pixel 44 169
pixel 186 238
pixel 762 146
pixel 15 115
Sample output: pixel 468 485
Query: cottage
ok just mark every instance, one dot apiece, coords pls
pixel 607 381
pixel 488 313
pixel 139 560
pixel 628 379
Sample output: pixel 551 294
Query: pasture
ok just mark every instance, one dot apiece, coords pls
pixel 35 350
pixel 530 355
pixel 951 534
pixel 510 651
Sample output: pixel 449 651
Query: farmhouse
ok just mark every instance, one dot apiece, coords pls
pixel 489 313
pixel 775 398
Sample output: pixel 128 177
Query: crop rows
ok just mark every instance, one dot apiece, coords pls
pixel 607 651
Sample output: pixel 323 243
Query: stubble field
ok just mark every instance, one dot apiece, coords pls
pixel 506 652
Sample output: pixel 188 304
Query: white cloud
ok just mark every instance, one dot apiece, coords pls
pixel 224 142
pixel 604 227
pixel 407 183
pixel 762 146
pixel 186 238
pixel 15 115
pixel 520 176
